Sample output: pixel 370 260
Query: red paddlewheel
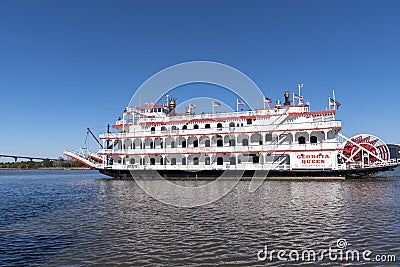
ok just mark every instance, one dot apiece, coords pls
pixel 367 148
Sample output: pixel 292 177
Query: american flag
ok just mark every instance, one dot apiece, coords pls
pixel 192 106
pixel 298 97
pixel 240 102
pixel 334 103
pixel 216 104
pixel 268 100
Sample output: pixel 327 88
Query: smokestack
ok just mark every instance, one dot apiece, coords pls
pixel 287 98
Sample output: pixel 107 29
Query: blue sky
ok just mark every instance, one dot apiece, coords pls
pixel 68 65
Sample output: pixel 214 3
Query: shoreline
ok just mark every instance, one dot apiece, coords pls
pixel 49 169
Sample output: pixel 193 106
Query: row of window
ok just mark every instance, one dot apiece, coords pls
pixel 196 126
pixel 232 142
pixel 195 161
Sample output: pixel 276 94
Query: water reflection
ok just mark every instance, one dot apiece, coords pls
pixel 77 219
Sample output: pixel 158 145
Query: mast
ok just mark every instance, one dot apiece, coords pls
pixel 299 85
pixel 95 138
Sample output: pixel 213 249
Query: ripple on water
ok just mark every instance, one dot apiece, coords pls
pixel 64 218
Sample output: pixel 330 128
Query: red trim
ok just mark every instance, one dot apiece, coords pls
pixel 236 118
pixel 115 126
pixel 285 106
pixel 78 160
pixel 151 106
pixel 325 112
pixel 219 133
pixel 241 152
pixel 96 158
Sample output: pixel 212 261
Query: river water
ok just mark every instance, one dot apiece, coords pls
pixel 81 218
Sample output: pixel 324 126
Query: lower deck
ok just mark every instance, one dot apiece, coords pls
pixel 244 174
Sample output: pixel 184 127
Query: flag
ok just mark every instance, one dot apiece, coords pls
pixel 267 100
pixel 216 104
pixel 240 102
pixel 192 106
pixel 298 97
pixel 301 85
pixel 334 103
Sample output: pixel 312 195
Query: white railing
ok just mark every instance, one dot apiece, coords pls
pixel 225 130
pixel 224 149
pixel 191 167
pixel 121 122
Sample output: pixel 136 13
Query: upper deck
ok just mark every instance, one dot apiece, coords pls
pixel 158 116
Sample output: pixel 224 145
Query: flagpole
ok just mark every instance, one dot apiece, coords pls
pixel 294 101
pixel 212 104
pixel 334 99
pixel 298 85
pixel 329 103
pixel 237 105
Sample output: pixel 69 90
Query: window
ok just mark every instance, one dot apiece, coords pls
pixel 256 159
pixel 232 142
pixel 183 143
pixel 153 130
pixel 220 161
pixel 196 161
pixel 184 127
pixel 132 161
pixel 232 161
pixel 183 161
pixel 249 121
pixel 172 144
pixel 268 137
pixel 245 142
pixel 196 126
pixel 163 128
pixel 151 145
pixel 161 161
pixel 219 126
pixel 207 126
pixel 152 161
pixel 313 139
pixel 207 143
pixel 219 142
pixel 173 161
pixel 195 143
pixel 232 125
pixel 207 160
pixel 174 128
pixel 302 140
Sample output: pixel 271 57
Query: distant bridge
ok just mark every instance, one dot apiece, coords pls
pixel 24 157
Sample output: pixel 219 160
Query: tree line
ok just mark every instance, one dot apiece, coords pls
pixel 59 163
